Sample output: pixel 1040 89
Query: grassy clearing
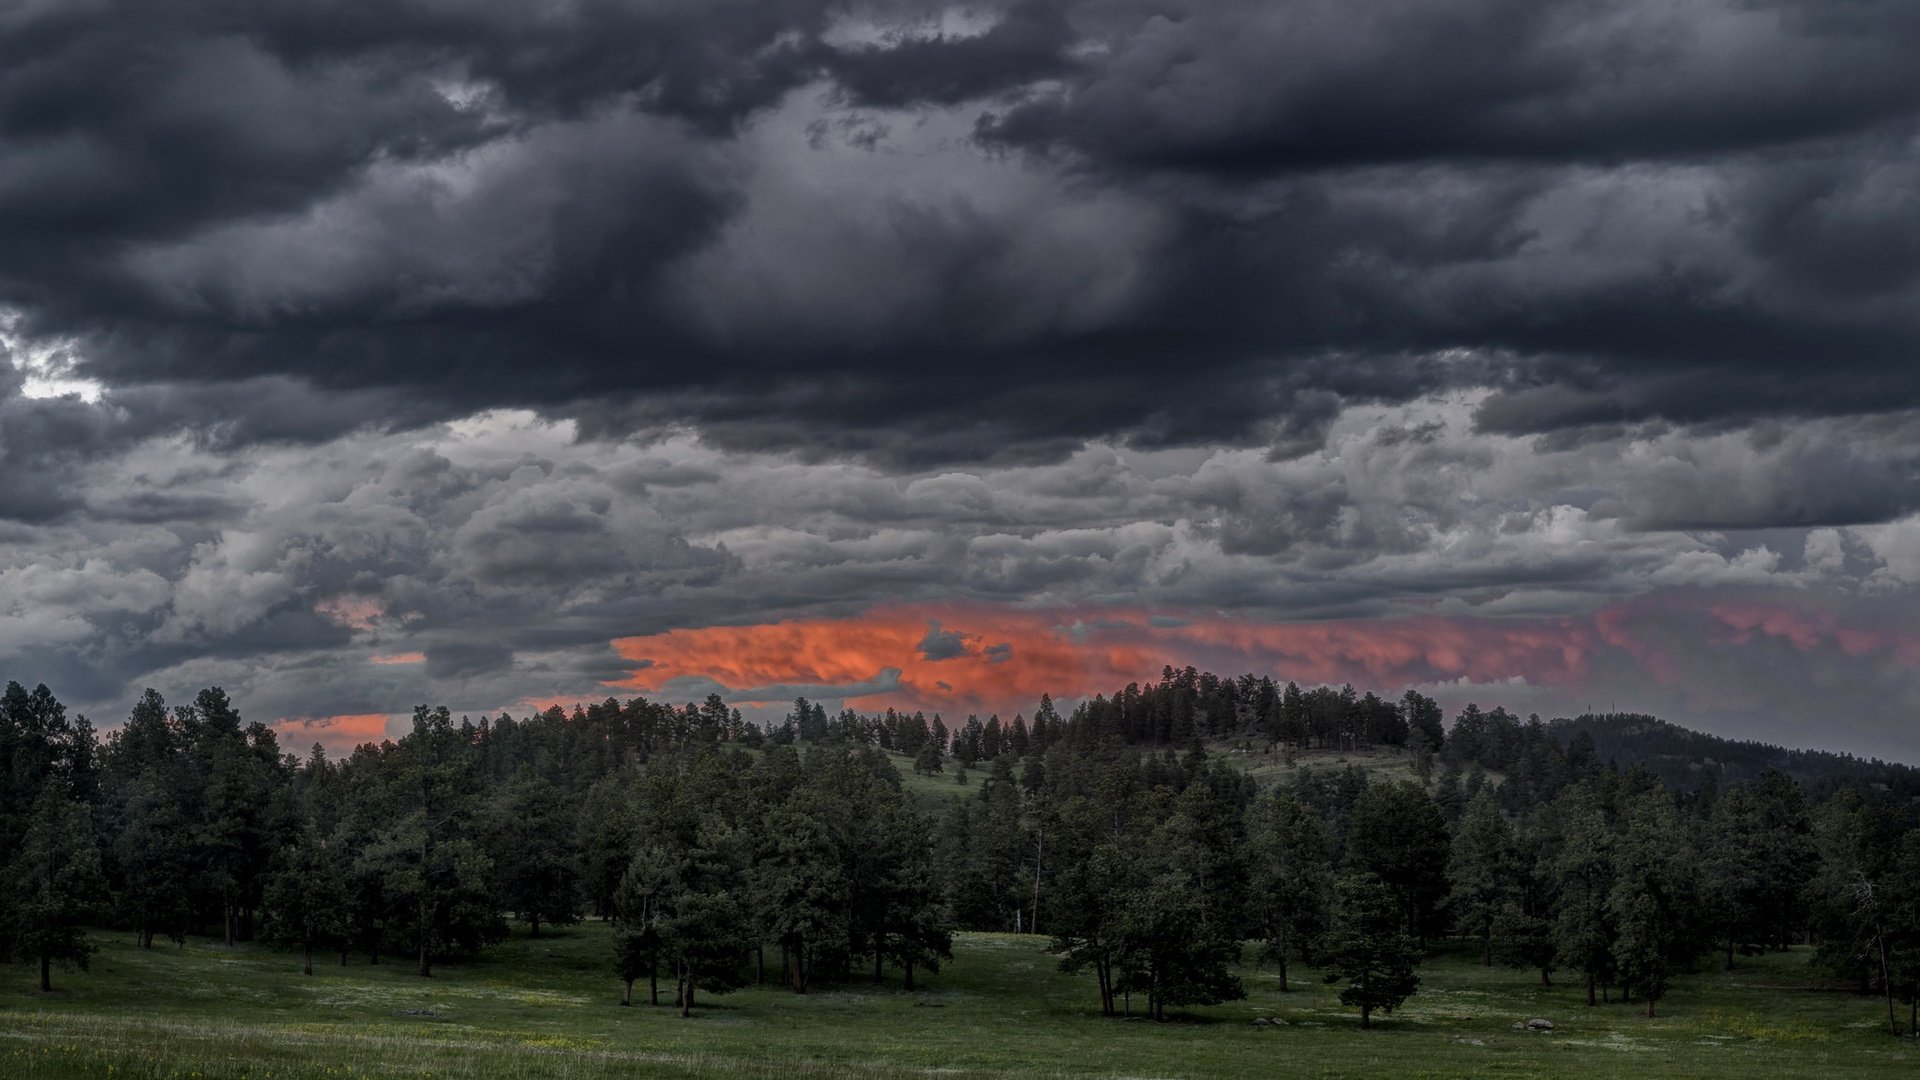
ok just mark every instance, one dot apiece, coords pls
pixel 539 1008
pixel 931 793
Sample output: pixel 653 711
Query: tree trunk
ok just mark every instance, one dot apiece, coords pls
pixel 1590 1000
pixel 46 973
pixel 760 964
pixel 879 958
pixel 308 952
pixel 426 897
pixel 533 924
pixel 1281 951
pixel 626 993
pixel 1039 851
pixel 1729 952
pixel 227 913
pixel 802 969
pixel 1546 977
pixel 1366 1016
pixel 686 996
pixel 907 983
pixel 1886 986
pixel 653 984
pixel 1650 1001
pixel 1486 946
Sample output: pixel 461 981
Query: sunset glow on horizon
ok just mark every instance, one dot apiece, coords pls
pixel 1007 657
pixel 339 734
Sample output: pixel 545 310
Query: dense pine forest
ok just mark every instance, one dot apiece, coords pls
pixel 1150 835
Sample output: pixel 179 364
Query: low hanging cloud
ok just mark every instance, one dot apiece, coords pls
pixel 943 644
pixel 1644 655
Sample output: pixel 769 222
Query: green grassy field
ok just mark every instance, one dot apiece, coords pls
pixel 547 1008
pixel 931 793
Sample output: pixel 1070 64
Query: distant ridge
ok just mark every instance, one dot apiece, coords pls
pixel 1683 758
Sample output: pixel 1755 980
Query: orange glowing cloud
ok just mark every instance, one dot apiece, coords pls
pixel 1741 623
pixel 350 611
pixel 339 734
pixel 389 659
pixel 1005 659
pixel 976 658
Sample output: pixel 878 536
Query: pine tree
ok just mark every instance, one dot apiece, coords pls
pixel 536 853
pixel 1584 926
pixel 926 761
pixel 1731 871
pixel 704 937
pixel 437 881
pixel 1483 869
pixel 1651 895
pixel 1292 878
pixel 55 883
pixel 308 906
pixel 803 890
pixel 1367 949
pixel 151 855
pixel 1396 832
pixel 651 878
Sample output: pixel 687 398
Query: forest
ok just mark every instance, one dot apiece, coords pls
pixel 1144 835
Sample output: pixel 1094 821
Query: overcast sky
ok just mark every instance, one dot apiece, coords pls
pixel 493 353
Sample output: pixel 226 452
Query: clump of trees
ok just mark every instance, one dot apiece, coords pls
pixel 703 857
pixel 719 853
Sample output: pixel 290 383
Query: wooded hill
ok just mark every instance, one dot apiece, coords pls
pixel 722 853
pixel 1685 759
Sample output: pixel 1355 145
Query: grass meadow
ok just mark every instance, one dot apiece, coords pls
pixel 547 1007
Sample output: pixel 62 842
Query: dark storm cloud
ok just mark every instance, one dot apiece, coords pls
pixel 457 659
pixel 943 644
pixel 1341 83
pixel 1029 43
pixel 1307 310
pixel 1170 225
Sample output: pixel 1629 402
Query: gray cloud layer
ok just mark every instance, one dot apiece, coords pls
pixel 490 562
pixel 943 236
pixel 489 331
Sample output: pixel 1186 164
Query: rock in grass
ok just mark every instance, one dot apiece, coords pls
pixel 1538 1024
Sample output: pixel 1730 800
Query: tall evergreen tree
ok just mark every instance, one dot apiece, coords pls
pixel 307 903
pixel 535 849
pixel 1396 833
pixel 55 884
pixel 438 880
pixel 1290 866
pixel 1585 926
pixel 1483 869
pixel 1651 895
pixel 1367 949
pixel 151 856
